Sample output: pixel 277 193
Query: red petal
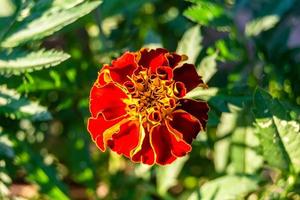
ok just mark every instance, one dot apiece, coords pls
pixel 108 100
pixel 179 89
pixel 188 75
pixel 164 72
pixel 103 76
pixel 174 59
pixel 96 127
pixel 166 146
pixel 123 67
pixel 145 154
pixel 126 139
pixel 186 124
pixel 198 109
pixel 153 58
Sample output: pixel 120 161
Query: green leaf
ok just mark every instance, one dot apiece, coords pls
pixel 226 187
pixel 7 8
pixel 18 61
pixel 190 44
pixel 258 25
pixel 205 94
pixel 220 99
pixel 14 106
pixel 279 136
pixel 39 26
pixel 42 5
pixel 8 13
pixel 244 144
pixel 222 147
pixel 167 175
pixel 267 16
pixel 208 67
pixel 208 13
pixel 236 151
pixel 38 172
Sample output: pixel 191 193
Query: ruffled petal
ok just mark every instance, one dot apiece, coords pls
pixel 123 67
pixel 167 146
pixel 97 126
pixel 174 59
pixel 185 124
pixel 179 89
pixel 188 75
pixel 198 109
pixel 108 100
pixel 164 72
pixel 126 139
pixel 153 58
pixel 145 153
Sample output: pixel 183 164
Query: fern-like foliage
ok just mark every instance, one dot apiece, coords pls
pixel 27 22
pixel 20 61
pixel 22 24
pixel 38 25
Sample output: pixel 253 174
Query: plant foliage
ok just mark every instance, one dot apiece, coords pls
pixel 246 51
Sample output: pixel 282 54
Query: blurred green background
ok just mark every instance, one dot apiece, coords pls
pixel 246 50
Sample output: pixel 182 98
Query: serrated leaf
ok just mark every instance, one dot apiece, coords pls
pixel 14 106
pixel 167 175
pixel 279 136
pixel 18 61
pixel 190 44
pixel 226 187
pixel 39 26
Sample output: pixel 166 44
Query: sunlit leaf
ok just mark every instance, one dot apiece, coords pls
pixel 235 152
pixel 14 106
pixel 259 25
pixel 221 98
pixel 244 157
pixel 279 136
pixel 208 67
pixel 167 175
pixel 18 61
pixel 8 12
pixel 39 26
pixel 190 44
pixel 226 187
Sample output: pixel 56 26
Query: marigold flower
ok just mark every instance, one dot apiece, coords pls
pixel 138 107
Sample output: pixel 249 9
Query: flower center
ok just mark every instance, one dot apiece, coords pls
pixel 152 96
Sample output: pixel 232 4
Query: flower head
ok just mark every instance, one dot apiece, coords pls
pixel 138 107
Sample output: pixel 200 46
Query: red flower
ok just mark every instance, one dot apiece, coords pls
pixel 138 107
